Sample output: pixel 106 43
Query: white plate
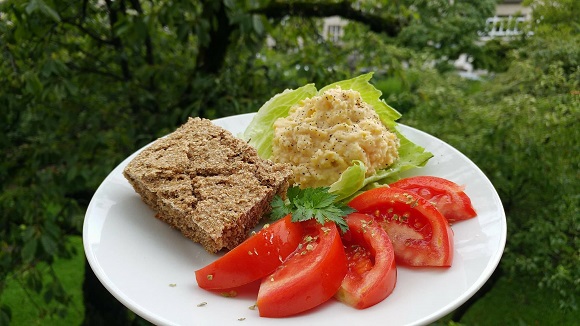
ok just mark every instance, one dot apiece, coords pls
pixel 149 267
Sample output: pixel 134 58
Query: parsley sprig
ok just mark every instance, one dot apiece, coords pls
pixel 308 203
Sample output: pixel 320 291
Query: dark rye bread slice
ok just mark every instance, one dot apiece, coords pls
pixel 206 183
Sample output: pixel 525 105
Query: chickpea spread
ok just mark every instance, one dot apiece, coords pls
pixel 323 135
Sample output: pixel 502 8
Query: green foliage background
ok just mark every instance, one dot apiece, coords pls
pixel 84 84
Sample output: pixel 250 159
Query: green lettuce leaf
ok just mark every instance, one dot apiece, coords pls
pixel 350 181
pixel 260 133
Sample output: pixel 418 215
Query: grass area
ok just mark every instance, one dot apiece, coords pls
pixel 519 302
pixel 28 308
pixel 516 302
pixel 510 302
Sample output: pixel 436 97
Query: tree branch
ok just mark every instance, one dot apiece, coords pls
pixel 148 44
pixel 94 71
pixel 84 10
pixel 116 41
pixel 149 57
pixel 211 57
pixel 87 32
pixel 390 25
pixel 11 59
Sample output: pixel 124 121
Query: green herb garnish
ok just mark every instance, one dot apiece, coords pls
pixel 305 204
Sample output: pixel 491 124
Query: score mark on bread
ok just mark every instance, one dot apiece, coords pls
pixel 206 183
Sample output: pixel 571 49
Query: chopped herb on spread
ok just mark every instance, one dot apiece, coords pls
pixel 229 294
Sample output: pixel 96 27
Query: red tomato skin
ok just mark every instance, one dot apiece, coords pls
pixel 433 245
pixel 362 290
pixel 308 278
pixel 256 257
pixel 446 195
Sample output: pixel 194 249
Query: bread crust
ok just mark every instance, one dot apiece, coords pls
pixel 206 183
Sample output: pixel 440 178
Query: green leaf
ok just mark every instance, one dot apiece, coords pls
pixel 49 245
pixel 257 24
pixel 27 233
pixel 39 5
pixel 5 314
pixel 48 295
pixel 28 251
pixel 411 156
pixel 321 200
pixel 229 4
pixel 32 6
pixel 122 27
pixel 34 280
pixel 279 208
pixel 33 83
pixel 259 132
pixel 313 203
pixel 350 181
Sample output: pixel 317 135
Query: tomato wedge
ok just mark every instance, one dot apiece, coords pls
pixel 446 195
pixel 308 277
pixel 256 257
pixel 420 234
pixel 372 272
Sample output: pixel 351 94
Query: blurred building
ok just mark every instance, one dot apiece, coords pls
pixel 509 17
pixel 334 28
pixel 512 8
pixel 508 20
